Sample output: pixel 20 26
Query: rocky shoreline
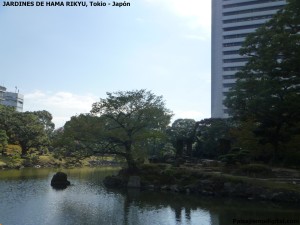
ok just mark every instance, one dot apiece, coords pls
pixel 189 181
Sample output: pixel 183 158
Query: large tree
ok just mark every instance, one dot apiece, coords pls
pixel 267 90
pixel 131 118
pixel 213 137
pixel 80 136
pixel 182 134
pixel 24 129
pixel 28 132
pixel 45 118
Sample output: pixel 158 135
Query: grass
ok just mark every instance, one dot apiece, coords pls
pixel 2 163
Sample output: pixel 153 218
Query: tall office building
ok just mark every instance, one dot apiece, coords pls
pixel 232 21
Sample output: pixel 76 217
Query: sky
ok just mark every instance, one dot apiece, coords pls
pixel 63 59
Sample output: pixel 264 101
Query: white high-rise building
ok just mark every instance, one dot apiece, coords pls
pixel 2 91
pixel 15 100
pixel 12 99
pixel 232 21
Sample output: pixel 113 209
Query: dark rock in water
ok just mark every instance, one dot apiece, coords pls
pixel 60 181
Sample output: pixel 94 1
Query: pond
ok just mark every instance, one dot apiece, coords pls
pixel 26 198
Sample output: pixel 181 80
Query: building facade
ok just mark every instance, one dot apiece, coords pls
pixel 232 21
pixel 2 91
pixel 11 99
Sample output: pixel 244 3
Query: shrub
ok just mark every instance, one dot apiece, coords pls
pixel 229 159
pixel 236 155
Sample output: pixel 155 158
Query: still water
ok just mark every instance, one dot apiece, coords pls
pixel 26 198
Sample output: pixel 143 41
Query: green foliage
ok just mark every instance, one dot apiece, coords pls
pixel 267 90
pixel 129 124
pixel 168 150
pixel 131 118
pixel 243 134
pixel 2 164
pixel 15 161
pixel 45 118
pixel 6 116
pixel 31 160
pixel 182 134
pixel 80 137
pixel 155 146
pixel 24 129
pixel 3 140
pixel 29 132
pixel 13 150
pixel 73 162
pixel 213 137
pixel 236 155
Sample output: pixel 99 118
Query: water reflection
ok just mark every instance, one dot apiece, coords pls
pixel 26 197
pixel 159 208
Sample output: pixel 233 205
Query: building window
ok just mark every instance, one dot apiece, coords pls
pixel 238 12
pixel 232 68
pixel 242 27
pixel 228 77
pixel 234 52
pixel 235 60
pixel 249 3
pixel 247 19
pixel 232 36
pixel 232 44
pixel 228 85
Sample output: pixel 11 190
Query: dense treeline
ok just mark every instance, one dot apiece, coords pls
pixel 264 106
pixel 29 130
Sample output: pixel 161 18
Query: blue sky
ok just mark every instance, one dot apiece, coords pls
pixel 65 58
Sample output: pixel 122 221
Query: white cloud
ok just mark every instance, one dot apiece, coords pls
pixel 35 95
pixel 62 105
pixel 197 13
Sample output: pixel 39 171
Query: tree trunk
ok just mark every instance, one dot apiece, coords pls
pixel 189 148
pixel 132 167
pixel 276 142
pixel 179 148
pixel 131 163
pixel 24 150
